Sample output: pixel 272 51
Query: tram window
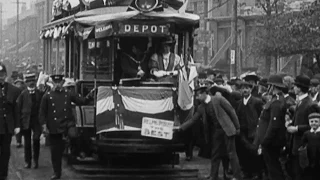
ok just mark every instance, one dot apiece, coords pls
pixel 62 56
pixel 97 59
pixel 53 57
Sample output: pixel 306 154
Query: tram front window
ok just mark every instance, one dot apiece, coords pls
pixel 148 60
pixel 97 60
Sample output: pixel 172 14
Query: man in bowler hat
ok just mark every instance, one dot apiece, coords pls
pixel 220 123
pixel 29 104
pixel 248 111
pixel 299 123
pixel 55 117
pixel 9 119
pixel 271 128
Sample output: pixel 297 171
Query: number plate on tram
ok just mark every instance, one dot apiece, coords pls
pixel 157 128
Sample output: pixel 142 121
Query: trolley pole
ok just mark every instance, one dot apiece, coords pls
pixel 17 49
pixel 1 29
pixel 234 40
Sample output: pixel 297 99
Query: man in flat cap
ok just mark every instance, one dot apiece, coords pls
pixel 29 104
pixel 9 119
pixel 55 116
pixel 220 123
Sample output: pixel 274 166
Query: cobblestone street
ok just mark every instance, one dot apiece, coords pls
pixel 44 172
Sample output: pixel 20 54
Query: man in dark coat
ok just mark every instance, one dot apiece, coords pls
pixel 314 90
pixel 134 62
pixel 29 104
pixel 253 78
pixel 19 83
pixel 219 116
pixel 248 111
pixel 55 116
pixel 300 122
pixel 9 119
pixel 271 129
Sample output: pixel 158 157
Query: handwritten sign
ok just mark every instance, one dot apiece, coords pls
pixel 103 30
pixel 143 29
pixel 157 128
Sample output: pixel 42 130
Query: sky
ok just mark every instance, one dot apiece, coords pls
pixel 10 7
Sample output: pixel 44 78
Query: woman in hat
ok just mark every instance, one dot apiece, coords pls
pixel 164 65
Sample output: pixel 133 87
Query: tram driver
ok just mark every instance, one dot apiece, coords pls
pixel 164 65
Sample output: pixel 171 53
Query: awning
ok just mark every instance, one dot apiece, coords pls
pixel 60 22
pixel 177 18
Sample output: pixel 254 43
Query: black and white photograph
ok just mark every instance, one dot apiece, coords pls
pixel 159 89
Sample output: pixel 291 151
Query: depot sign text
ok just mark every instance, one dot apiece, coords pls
pixel 143 29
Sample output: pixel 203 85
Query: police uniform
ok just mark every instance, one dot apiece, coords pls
pixel 272 130
pixel 29 104
pixel 9 120
pixel 56 114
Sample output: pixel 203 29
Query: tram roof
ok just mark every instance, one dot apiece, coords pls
pixel 108 14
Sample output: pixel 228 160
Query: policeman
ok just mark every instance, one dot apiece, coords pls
pixel 55 115
pixel 9 119
pixel 271 128
pixel 29 104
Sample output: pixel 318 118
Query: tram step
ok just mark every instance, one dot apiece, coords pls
pixel 96 172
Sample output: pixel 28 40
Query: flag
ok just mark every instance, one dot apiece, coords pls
pixel 183 7
pixel 105 112
pixel 185 91
pixel 135 103
pixel 193 74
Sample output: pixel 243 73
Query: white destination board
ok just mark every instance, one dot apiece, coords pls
pixel 157 128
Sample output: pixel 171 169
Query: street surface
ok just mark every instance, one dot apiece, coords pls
pixel 44 172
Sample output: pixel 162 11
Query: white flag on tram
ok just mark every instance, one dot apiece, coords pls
pixel 192 74
pixel 186 87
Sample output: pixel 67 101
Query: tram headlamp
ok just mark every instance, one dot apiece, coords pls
pixel 146 5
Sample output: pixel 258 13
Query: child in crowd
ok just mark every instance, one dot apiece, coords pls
pixel 311 140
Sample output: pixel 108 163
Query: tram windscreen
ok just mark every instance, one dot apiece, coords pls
pixel 97 60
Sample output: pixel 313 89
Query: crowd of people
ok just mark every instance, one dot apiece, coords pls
pixel 263 128
pixel 28 112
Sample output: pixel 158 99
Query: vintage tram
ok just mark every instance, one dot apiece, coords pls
pixel 130 115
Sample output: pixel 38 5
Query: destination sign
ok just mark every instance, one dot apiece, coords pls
pixel 127 28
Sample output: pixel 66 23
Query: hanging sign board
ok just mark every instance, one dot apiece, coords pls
pixel 86 32
pixel 144 29
pixel 157 128
pixel 103 30
pixel 232 56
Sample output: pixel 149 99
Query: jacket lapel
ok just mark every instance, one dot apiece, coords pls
pixel 171 62
pixel 160 62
